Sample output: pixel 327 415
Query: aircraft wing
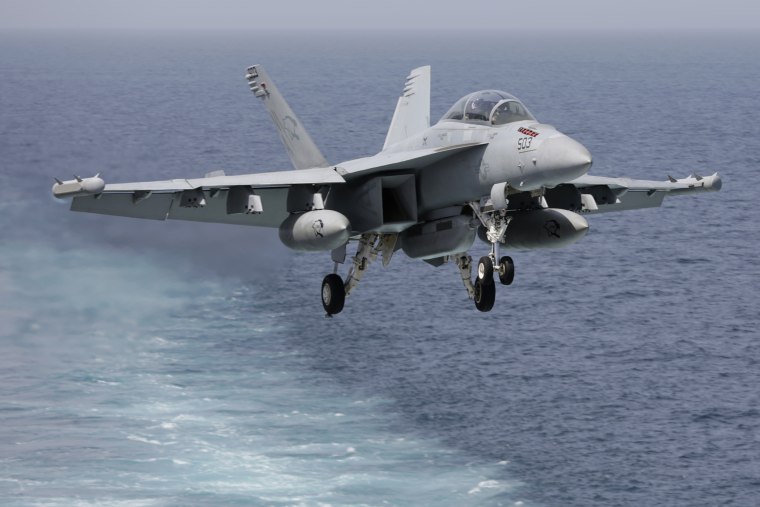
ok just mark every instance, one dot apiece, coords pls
pixel 250 199
pixel 601 194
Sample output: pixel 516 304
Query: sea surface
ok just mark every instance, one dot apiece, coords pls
pixel 174 364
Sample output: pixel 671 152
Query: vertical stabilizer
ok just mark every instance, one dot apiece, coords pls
pixel 412 113
pixel 301 148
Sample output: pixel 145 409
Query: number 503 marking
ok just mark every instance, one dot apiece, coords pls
pixel 524 143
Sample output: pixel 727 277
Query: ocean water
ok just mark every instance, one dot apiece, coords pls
pixel 165 363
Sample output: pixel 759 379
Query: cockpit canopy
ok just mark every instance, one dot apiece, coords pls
pixel 491 107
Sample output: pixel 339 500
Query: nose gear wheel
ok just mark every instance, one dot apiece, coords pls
pixel 485 295
pixel 506 270
pixel 485 270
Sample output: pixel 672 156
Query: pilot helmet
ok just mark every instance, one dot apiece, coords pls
pixel 479 108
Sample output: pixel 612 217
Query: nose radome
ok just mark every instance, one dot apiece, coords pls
pixel 565 157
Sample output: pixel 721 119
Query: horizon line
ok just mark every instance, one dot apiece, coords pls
pixel 350 30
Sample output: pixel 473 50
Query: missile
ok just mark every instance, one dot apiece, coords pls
pixel 711 183
pixel 78 186
pixel 316 230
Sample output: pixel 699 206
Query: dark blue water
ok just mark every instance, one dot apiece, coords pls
pixel 148 363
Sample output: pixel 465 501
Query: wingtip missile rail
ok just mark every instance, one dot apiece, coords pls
pixel 78 186
pixel 695 182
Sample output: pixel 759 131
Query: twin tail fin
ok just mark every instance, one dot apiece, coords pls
pixel 412 113
pixel 301 149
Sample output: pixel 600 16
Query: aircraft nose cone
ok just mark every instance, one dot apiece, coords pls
pixel 566 158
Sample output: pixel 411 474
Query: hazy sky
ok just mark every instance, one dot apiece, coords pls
pixel 381 14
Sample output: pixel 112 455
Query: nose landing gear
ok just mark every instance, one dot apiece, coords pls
pixel 495 222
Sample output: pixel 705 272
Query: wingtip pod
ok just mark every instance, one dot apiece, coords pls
pixel 694 182
pixel 716 183
pixel 78 186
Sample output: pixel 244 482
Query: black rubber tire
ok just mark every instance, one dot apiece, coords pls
pixel 485 270
pixel 333 294
pixel 485 295
pixel 506 270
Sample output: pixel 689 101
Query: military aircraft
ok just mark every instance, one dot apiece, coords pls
pixel 488 168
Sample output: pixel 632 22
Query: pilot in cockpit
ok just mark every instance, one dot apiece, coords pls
pixel 479 109
pixel 509 111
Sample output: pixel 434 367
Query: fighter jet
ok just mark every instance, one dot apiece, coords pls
pixel 487 169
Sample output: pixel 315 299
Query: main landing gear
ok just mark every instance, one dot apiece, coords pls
pixel 333 294
pixel 334 290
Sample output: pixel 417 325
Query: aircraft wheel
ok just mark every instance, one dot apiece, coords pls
pixel 485 295
pixel 506 270
pixel 333 294
pixel 485 270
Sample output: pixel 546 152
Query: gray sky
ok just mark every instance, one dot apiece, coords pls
pixel 381 14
